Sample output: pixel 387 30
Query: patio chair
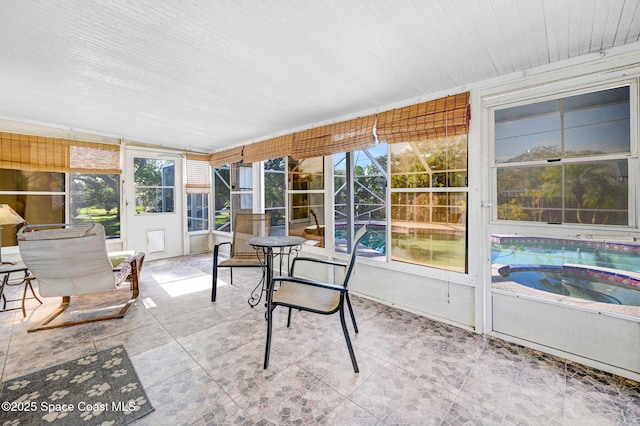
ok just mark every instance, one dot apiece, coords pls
pixel 241 254
pixel 314 296
pixel 73 260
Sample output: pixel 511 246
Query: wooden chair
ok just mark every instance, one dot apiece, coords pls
pixel 314 296
pixel 241 254
pixel 73 260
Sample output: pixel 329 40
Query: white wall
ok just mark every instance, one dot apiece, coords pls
pixel 432 297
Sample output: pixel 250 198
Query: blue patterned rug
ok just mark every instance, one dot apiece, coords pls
pixel 99 389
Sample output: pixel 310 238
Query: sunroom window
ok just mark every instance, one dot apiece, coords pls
pixel 197 212
pixel 198 187
pixel 222 198
pixel 429 202
pixel 96 198
pixel 155 185
pixel 241 188
pixel 306 199
pixel 38 197
pixel 360 185
pixel 275 194
pixel 565 160
pixel 232 192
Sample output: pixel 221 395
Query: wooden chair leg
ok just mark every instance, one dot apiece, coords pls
pixel 27 285
pixel 33 293
pixel 46 324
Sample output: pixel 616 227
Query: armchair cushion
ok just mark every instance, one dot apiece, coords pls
pixel 316 299
pixel 73 260
pixel 324 298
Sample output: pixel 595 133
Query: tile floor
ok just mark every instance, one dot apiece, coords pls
pixel 201 363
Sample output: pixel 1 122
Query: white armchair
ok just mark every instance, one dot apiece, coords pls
pixel 73 260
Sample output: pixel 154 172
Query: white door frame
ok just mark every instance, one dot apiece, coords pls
pixel 159 235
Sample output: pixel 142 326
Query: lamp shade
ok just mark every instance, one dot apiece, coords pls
pixel 8 216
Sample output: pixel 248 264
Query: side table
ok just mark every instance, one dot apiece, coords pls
pixel 283 245
pixel 6 269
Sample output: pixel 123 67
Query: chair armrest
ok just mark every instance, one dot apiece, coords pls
pixel 129 267
pixel 216 248
pixel 125 258
pixel 314 260
pixel 305 281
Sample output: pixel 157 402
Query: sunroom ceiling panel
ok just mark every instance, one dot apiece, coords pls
pixel 208 75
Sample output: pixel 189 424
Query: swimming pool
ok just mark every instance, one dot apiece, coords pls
pixel 508 250
pixel 577 281
pixel 595 271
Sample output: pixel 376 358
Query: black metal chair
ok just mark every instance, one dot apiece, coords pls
pixel 314 296
pixel 241 254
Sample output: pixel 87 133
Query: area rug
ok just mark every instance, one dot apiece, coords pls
pixel 99 389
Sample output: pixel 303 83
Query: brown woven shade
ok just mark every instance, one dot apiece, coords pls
pixel 198 174
pixel 266 150
pixel 345 136
pixel 90 157
pixel 427 120
pixel 39 153
pixel 447 116
pixel 33 153
pixel 227 156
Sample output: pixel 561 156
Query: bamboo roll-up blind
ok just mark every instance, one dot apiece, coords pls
pixel 277 147
pixel 198 174
pixel 45 154
pixel 227 156
pixel 447 116
pixel 88 157
pixel 345 136
pixel 427 120
pixel 33 153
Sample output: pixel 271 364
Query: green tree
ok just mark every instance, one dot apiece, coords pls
pixel 590 186
pixel 512 211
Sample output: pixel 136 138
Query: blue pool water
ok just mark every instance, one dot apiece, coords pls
pixel 557 280
pixel 541 255
pixel 600 272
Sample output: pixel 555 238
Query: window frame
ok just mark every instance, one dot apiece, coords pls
pixel 205 209
pixel 276 228
pixel 241 173
pixel 235 195
pixel 539 96
pixel 69 201
pixel 432 190
pixel 164 189
pixel 215 211
pixel 310 193
pixel 351 181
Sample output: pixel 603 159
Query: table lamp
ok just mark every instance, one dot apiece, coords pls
pixel 8 216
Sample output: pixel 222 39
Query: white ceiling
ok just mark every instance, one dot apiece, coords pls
pixel 205 74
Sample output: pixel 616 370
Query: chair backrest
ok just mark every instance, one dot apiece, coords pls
pixel 246 226
pixel 354 251
pixel 68 260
